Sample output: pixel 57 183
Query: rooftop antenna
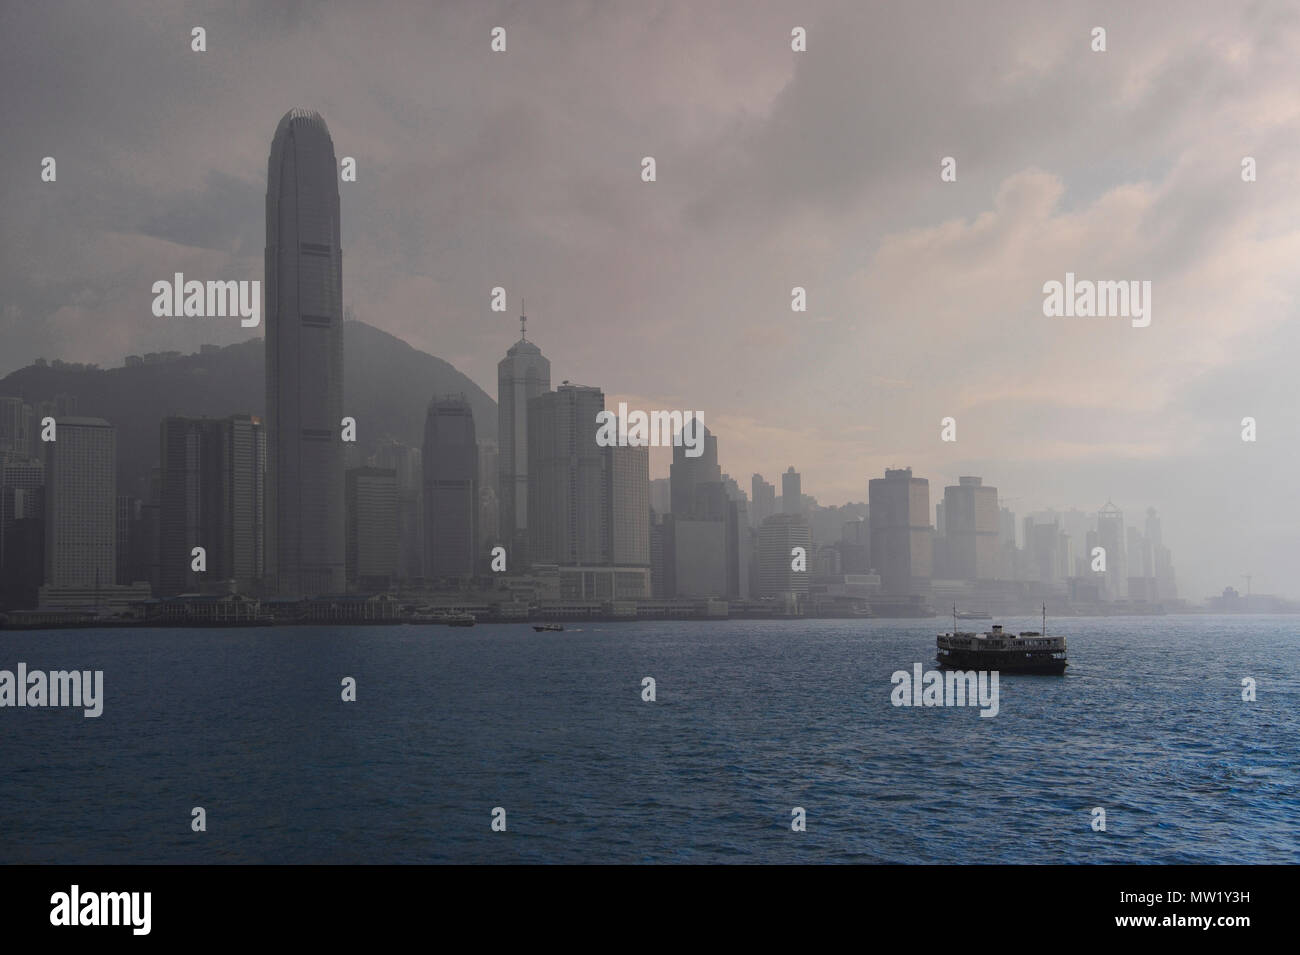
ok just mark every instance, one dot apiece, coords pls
pixel 523 321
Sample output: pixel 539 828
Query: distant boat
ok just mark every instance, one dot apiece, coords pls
pixel 459 620
pixel 548 627
pixel 973 615
pixel 1030 651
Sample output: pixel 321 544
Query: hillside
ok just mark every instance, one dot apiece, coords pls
pixel 387 386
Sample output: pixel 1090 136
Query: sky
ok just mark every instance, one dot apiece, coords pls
pixel 775 169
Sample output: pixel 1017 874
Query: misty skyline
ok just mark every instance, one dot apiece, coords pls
pixel 775 169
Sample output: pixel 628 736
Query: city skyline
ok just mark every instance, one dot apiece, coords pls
pixel 790 478
pixel 925 296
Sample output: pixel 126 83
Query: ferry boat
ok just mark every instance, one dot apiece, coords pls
pixel 459 620
pixel 1030 651
pixel 548 627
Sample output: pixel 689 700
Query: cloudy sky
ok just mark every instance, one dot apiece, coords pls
pixel 775 169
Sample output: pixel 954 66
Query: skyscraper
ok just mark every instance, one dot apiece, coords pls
pixel 81 505
pixel 690 477
pixel 451 492
pixel 521 376
pixel 778 536
pixel 567 487
pixel 371 538
pixel 627 472
pixel 407 463
pixel 489 497
pixel 304 360
pixel 212 496
pixel 15 428
pixel 764 500
pixel 22 495
pixel 899 515
pixel 1110 535
pixel 791 492
pixel 1163 567
pixel 971 525
pixel 705 547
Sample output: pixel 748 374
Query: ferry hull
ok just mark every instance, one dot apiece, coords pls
pixel 1004 662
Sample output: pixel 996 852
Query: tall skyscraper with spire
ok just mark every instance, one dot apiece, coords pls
pixel 521 376
pixel 304 361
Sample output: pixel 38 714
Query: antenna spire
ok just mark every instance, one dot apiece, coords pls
pixel 523 321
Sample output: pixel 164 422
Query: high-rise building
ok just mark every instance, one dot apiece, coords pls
pixel 1162 560
pixel 1047 552
pixel 128 520
pixel 567 486
pixel 899 514
pixel 451 492
pixel 243 556
pixel 698 552
pixel 763 505
pixel 689 477
pixel 738 548
pixel 407 463
pixel 489 466
pixel 791 492
pixel 971 523
pixel 661 495
pixel 779 535
pixel 658 570
pixel 1008 553
pixel 212 495
pixel 627 473
pixel 489 496
pixel 371 544
pixel 522 375
pixel 81 504
pixel 24 559
pixel 15 428
pixel 304 360
pixel 855 547
pixel 22 495
pixel 1110 535
pixel 706 552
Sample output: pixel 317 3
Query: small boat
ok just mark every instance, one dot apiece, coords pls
pixel 1031 651
pixel 459 620
pixel 548 627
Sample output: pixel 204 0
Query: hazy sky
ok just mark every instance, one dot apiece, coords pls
pixel 775 169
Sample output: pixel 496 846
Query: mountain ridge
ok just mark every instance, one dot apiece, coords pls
pixel 387 386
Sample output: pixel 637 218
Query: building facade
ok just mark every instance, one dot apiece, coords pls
pixel 304 361
pixel 451 491
pixel 523 375
pixel 81 504
pixel 899 516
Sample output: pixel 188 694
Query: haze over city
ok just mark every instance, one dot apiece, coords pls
pixel 774 170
